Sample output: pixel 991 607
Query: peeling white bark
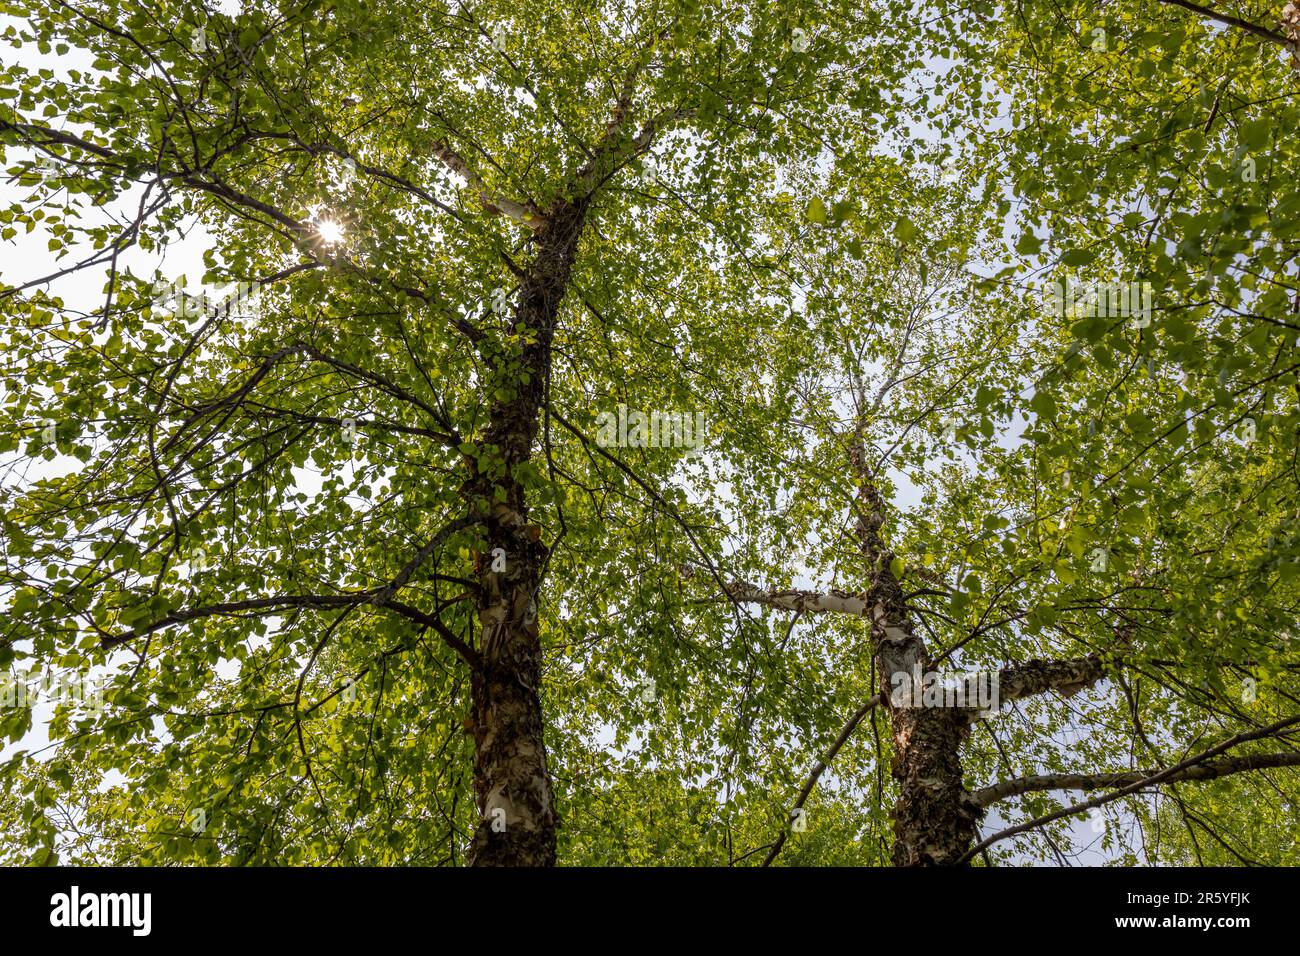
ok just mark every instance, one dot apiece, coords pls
pixel 794 599
pixel 519 212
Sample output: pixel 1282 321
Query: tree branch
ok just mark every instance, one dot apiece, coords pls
pixel 818 769
pixel 525 213
pixel 794 599
pixel 1261 32
pixel 1033 677
pixel 268 604
pixel 1099 781
pixel 1146 782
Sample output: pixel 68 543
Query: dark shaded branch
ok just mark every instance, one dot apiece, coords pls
pixel 1146 782
pixel 1231 21
pixel 276 603
pixel 1100 781
pixel 818 769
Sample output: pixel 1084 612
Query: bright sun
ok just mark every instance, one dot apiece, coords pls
pixel 330 231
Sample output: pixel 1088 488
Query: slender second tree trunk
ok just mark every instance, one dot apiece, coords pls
pixel 512 783
pixel 935 818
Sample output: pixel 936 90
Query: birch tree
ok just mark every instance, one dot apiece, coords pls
pixel 974 309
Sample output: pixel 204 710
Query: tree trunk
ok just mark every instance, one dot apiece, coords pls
pixel 935 818
pixel 512 783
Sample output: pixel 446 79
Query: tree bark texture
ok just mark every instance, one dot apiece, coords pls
pixel 512 783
